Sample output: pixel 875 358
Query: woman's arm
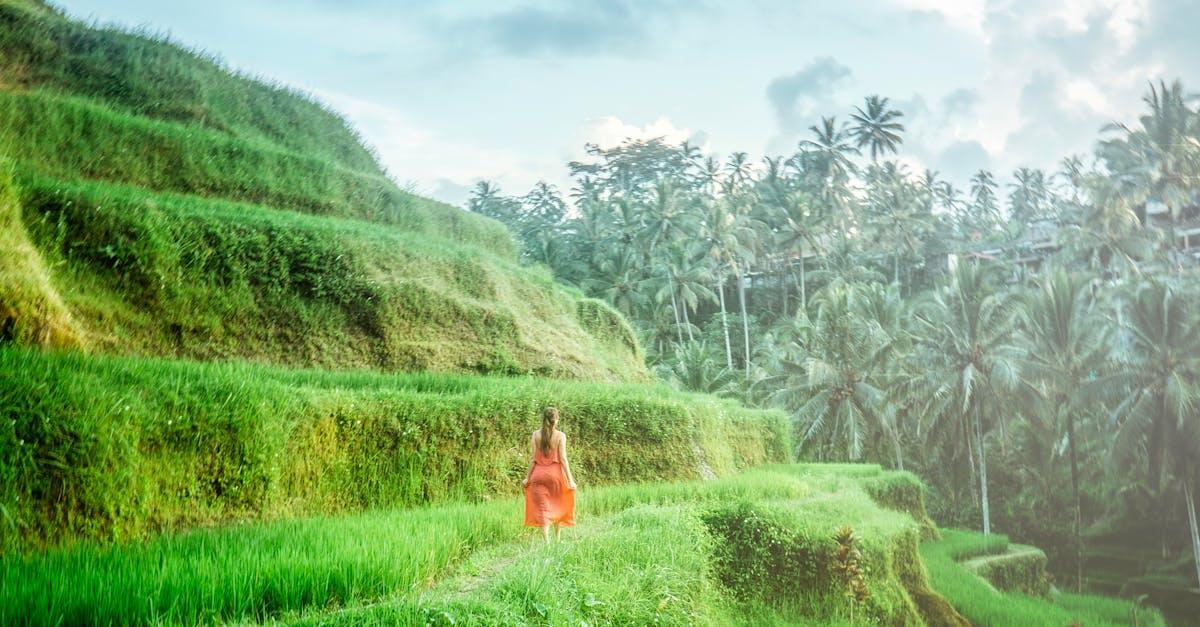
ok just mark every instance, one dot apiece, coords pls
pixel 529 473
pixel 562 455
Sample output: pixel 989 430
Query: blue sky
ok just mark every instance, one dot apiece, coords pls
pixel 454 92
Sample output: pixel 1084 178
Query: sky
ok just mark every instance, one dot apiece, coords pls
pixel 452 93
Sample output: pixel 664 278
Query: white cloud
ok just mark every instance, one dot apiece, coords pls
pixel 610 131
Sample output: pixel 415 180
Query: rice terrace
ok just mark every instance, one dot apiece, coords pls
pixel 284 340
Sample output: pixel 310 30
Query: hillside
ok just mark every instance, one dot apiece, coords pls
pixel 161 205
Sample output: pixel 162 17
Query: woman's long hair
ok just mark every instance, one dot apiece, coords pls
pixel 549 417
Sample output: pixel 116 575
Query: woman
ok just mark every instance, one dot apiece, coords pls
pixel 549 486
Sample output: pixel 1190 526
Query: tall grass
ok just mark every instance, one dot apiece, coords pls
pixel 984 605
pixel 117 448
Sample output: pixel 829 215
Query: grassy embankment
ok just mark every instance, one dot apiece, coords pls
pixel 1001 599
pixel 102 447
pixel 162 197
pixel 671 553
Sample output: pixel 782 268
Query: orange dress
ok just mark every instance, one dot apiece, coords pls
pixel 548 500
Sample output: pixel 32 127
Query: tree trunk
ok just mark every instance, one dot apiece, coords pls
pixel 1078 509
pixel 896 443
pixel 896 269
pixel 745 320
pixel 1192 525
pixel 803 285
pixel 687 322
pixel 674 307
pixel 983 488
pixel 785 274
pixel 725 321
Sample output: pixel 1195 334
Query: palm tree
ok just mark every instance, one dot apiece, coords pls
pixel 834 384
pixel 728 236
pixel 877 127
pixel 695 368
pixel 619 280
pixel 966 328
pixel 985 211
pixel 1066 342
pixel 797 224
pixel 1160 158
pixel 1028 198
pixel 827 164
pixel 1156 421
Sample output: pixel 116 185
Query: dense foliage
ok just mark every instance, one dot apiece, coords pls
pixel 1034 360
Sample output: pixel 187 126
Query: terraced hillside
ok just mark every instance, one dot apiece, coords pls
pixel 159 204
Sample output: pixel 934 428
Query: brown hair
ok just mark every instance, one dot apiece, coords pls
pixel 549 417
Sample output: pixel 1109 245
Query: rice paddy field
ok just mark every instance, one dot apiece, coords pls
pixel 757 547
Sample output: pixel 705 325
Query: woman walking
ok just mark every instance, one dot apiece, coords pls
pixel 549 486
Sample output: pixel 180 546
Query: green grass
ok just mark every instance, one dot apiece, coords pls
pixel 984 605
pixel 211 279
pixel 641 554
pixel 71 138
pixel 115 448
pixel 147 75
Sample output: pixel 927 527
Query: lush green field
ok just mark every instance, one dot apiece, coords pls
pixel 116 448
pixel 662 553
pixel 983 604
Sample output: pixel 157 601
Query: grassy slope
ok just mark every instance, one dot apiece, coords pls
pixel 642 554
pixel 164 193
pixel 118 448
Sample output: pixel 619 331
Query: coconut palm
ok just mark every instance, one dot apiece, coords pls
pixel 827 169
pixel 696 368
pixel 834 384
pixel 729 237
pixel 966 327
pixel 1156 422
pixel 876 127
pixel 1160 157
pixel 1066 344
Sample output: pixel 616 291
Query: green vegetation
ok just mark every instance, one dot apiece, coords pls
pixel 70 138
pixel 211 279
pixel 138 73
pixel 649 552
pixel 116 448
pixel 984 605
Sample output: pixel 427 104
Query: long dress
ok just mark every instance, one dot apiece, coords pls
pixel 548 500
